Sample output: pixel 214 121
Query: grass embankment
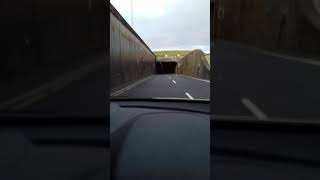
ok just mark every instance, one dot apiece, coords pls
pixel 171 53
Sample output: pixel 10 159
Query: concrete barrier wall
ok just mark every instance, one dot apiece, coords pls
pixel 291 26
pixel 37 36
pixel 194 64
pixel 130 57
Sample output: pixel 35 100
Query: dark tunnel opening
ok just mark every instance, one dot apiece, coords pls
pixel 166 67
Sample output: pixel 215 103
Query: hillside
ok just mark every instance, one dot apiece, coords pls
pixel 172 52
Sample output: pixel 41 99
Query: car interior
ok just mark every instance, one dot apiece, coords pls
pixel 160 139
pixel 245 148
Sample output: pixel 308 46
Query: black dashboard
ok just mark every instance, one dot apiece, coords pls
pixel 245 148
pixel 49 147
pixel 160 139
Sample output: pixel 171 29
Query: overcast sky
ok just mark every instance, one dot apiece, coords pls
pixel 169 24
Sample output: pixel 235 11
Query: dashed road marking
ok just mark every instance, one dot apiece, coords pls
pixel 174 81
pixel 189 96
pixel 254 109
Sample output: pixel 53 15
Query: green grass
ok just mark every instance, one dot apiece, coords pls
pixel 172 53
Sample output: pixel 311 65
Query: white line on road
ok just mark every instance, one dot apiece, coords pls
pixel 189 96
pixel 169 77
pixel 204 80
pixel 66 78
pixel 292 58
pixel 174 81
pixel 254 109
pixel 30 101
pixel 278 55
pixel 117 93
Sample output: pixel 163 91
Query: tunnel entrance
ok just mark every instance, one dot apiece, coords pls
pixel 166 67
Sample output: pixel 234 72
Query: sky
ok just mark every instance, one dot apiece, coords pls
pixel 169 24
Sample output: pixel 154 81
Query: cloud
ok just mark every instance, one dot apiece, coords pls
pixel 170 24
pixel 141 8
pixel 149 9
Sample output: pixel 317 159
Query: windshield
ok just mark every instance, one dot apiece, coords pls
pixel 160 52
pixel 265 62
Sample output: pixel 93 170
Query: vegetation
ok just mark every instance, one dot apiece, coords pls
pixel 172 53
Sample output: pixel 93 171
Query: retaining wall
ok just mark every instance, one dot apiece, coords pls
pixel 194 64
pixel 130 57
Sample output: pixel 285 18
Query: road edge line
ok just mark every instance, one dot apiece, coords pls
pixel 204 80
pixel 73 75
pixel 278 55
pixel 120 91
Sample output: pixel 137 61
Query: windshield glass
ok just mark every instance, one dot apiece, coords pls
pixel 159 49
pixel 266 58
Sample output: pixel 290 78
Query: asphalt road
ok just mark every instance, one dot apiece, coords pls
pixel 248 82
pixel 168 86
pixel 84 96
pixel 87 95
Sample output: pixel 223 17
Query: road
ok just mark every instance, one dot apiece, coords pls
pixel 249 82
pixel 168 86
pixel 80 96
pixel 84 93
pixel 246 82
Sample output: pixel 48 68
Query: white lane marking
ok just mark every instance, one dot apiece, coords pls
pixel 65 78
pixel 174 81
pixel 177 98
pixel 169 77
pixel 204 80
pixel 30 101
pixel 117 93
pixel 278 55
pixel 189 96
pixel 287 57
pixel 254 109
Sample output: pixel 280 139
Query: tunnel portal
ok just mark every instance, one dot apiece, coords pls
pixel 166 67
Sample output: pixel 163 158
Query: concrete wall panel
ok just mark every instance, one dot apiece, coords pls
pixel 37 35
pixel 130 57
pixel 286 26
pixel 194 64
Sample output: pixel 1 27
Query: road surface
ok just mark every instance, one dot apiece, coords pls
pixel 87 95
pixel 250 82
pixel 81 96
pixel 167 86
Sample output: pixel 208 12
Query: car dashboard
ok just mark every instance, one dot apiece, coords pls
pixel 160 139
pixel 247 148
pixel 50 147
